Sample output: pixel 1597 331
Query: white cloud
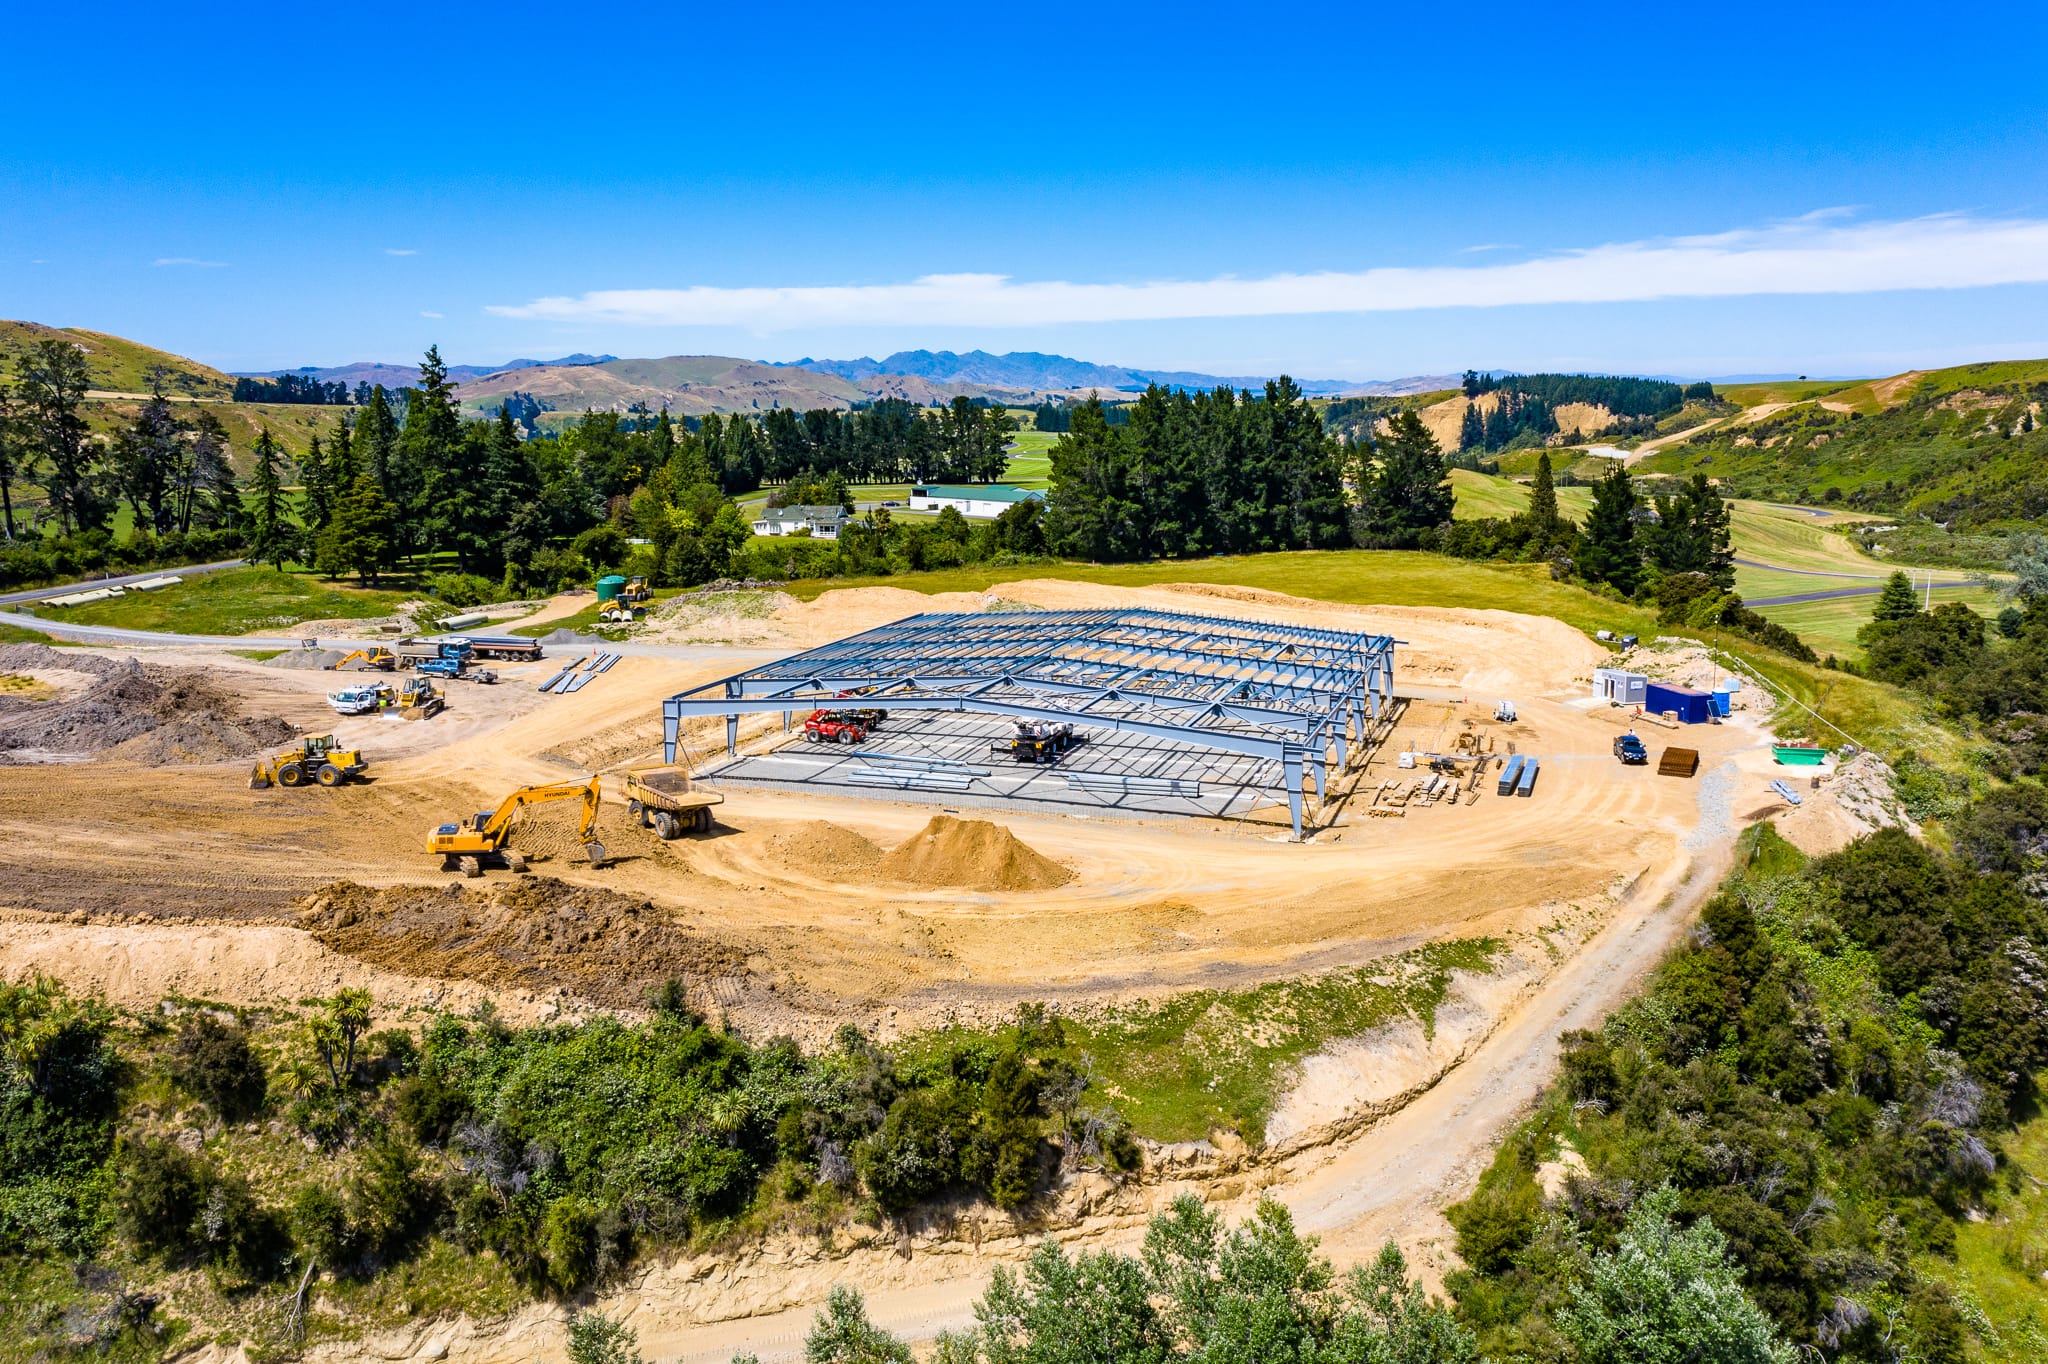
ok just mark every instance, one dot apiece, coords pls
pixel 425 313
pixel 400 251
pixel 1817 254
pixel 189 260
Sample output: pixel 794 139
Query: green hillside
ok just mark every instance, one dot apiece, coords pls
pixel 119 365
pixel 1962 445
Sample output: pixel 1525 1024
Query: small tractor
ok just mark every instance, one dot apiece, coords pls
pixel 376 656
pixel 316 759
pixel 1040 741
pixel 419 699
pixel 1630 749
pixel 834 727
pixel 466 846
pixel 635 591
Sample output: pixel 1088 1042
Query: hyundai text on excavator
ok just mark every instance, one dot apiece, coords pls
pixel 465 847
pixel 316 758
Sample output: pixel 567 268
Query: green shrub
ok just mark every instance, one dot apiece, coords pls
pixel 462 589
pixel 216 1064
pixel 319 1223
pixel 162 1190
pixel 595 1338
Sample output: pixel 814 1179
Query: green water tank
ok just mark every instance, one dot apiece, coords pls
pixel 609 587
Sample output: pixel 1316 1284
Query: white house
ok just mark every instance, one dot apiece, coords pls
pixel 1620 686
pixel 820 523
pixel 985 500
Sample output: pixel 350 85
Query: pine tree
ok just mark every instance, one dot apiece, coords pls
pixel 271 536
pixel 358 538
pixel 148 458
pixel 51 380
pixel 14 457
pixel 1407 492
pixel 1607 549
pixel 375 436
pixel 1897 602
pixel 313 475
pixel 210 494
pixel 1472 430
pixel 1543 498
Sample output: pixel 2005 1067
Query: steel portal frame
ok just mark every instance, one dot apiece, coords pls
pixel 1288 693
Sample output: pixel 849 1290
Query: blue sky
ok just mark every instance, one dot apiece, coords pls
pixel 1355 192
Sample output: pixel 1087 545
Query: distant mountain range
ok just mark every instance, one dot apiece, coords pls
pixel 400 376
pixel 1032 370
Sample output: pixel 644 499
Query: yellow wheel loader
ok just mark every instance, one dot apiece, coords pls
pixel 316 759
pixel 465 847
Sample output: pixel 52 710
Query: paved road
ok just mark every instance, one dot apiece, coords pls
pixel 37 593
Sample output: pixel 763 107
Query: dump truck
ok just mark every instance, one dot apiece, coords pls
pixel 486 835
pixel 1630 749
pixel 663 799
pixel 376 656
pixel 412 652
pixel 316 758
pixel 1040 741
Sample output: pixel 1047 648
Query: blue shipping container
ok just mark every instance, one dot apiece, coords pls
pixel 1692 707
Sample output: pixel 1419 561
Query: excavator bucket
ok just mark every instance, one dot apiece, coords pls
pixel 596 852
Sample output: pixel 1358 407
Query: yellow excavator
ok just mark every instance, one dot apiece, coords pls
pixel 377 656
pixel 465 847
pixel 316 758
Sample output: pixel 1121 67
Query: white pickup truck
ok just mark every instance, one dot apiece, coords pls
pixel 365 699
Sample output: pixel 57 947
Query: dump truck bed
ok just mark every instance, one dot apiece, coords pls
pixel 668 788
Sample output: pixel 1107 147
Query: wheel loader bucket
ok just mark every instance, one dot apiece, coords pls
pixel 259 778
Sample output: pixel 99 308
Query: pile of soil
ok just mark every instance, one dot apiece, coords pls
pixel 307 660
pixel 533 933
pixel 145 715
pixel 821 848
pixel 1857 798
pixel 548 833
pixel 971 854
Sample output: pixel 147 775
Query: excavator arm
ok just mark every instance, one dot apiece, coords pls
pixel 493 829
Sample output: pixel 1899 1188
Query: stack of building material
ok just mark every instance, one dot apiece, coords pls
pixel 1678 762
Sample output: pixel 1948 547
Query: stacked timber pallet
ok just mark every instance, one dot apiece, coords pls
pixel 1678 762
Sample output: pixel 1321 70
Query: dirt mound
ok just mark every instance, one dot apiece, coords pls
pixel 1855 799
pixel 30 658
pixel 544 833
pixel 204 738
pixel 306 660
pixel 822 848
pixel 534 933
pixel 147 715
pixel 971 854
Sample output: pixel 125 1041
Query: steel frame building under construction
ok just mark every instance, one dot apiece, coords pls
pixel 1288 693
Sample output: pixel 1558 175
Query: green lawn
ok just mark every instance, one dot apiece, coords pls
pixel 1831 626
pixel 1481 495
pixel 20 634
pixel 234 601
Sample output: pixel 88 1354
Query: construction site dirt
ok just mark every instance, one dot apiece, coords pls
pixel 795 898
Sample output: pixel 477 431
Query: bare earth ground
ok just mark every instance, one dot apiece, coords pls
pixel 139 881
